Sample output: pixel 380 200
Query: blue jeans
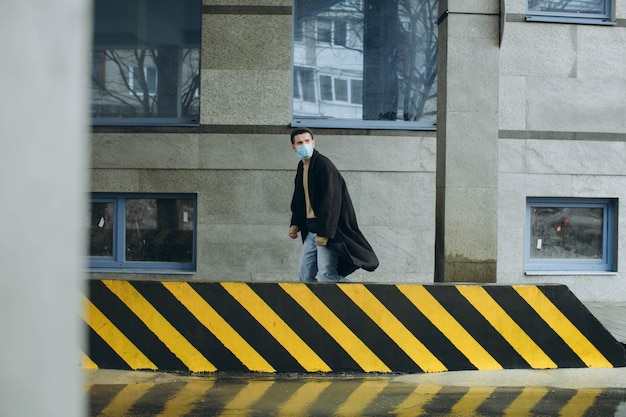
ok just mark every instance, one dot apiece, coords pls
pixel 318 260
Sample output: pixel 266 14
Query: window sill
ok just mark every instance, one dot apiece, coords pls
pixel 142 271
pixel 571 20
pixel 552 273
pixel 363 124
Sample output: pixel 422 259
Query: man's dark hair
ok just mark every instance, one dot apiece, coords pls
pixel 299 131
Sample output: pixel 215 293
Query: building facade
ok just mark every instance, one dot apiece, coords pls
pixel 516 178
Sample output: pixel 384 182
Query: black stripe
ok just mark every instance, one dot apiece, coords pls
pixel 607 402
pixel 499 400
pixel 335 395
pixel 102 354
pixel 535 327
pixel 224 390
pixel 133 328
pixel 445 399
pixel 188 326
pixel 476 325
pixel 101 395
pixel 421 327
pixel 553 400
pixel 584 321
pixel 364 328
pixel 308 329
pixel 247 327
pixel 153 400
pixel 390 398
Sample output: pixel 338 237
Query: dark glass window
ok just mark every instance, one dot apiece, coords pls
pixel 390 47
pixel 146 62
pixel 142 232
pixel 572 234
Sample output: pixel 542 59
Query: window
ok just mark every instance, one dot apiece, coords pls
pixel 571 11
pixel 303 85
pixel 385 58
pixel 145 80
pixel 146 62
pixel 142 232
pixel 570 234
pixel 340 90
pixel 332 32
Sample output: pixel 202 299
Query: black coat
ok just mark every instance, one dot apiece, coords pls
pixel 335 215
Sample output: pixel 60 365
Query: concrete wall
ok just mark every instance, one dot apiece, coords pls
pixel 244 184
pixel 561 127
pixel 562 132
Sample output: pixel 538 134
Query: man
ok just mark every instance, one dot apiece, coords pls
pixel 322 211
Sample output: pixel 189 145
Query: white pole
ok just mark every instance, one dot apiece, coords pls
pixel 44 50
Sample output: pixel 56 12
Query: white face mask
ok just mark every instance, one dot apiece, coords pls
pixel 305 151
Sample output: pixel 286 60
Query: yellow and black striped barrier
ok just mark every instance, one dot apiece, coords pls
pixel 297 327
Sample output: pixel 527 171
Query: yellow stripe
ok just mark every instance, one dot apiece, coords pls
pixel 449 326
pixel 218 326
pixel 183 402
pixel 275 325
pixel 149 315
pixel 473 398
pixel 563 327
pixel 124 348
pixel 506 326
pixel 121 404
pixel 86 362
pixel 303 398
pixel 361 398
pixel 525 402
pixel 242 404
pixel 354 347
pixel 580 403
pixel 413 405
pixel 390 324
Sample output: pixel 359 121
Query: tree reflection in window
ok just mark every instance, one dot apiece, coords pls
pixel 388 48
pixel 146 59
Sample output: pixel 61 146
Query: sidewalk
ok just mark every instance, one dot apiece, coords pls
pixel 612 316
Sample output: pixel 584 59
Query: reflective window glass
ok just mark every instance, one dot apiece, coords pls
pixel 146 62
pixel 101 229
pixel 570 234
pixel 386 49
pixel 571 11
pixel 142 232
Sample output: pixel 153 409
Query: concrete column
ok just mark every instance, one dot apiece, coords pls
pixel 467 141
pixel 43 177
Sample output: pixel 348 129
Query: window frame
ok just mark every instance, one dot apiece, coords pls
pixel 333 89
pixel 117 262
pixel 608 263
pixel 606 19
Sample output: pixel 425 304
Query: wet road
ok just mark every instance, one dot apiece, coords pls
pixel 342 396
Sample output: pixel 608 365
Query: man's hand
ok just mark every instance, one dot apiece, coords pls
pixel 321 241
pixel 293 232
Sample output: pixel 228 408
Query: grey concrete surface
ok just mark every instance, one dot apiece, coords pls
pixel 612 316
